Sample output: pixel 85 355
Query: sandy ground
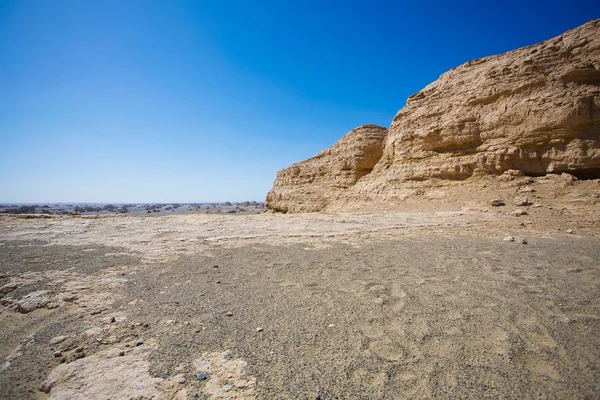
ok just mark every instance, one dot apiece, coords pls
pixel 358 306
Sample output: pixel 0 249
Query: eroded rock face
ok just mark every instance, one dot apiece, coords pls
pixel 535 110
pixel 312 184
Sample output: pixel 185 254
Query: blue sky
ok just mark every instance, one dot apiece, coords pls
pixel 185 101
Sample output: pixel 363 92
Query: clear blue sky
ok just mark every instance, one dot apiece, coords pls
pixel 178 101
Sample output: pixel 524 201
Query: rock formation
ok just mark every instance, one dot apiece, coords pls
pixel 312 184
pixel 535 110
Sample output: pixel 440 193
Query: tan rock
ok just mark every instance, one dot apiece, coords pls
pixel 535 109
pixel 528 112
pixel 312 184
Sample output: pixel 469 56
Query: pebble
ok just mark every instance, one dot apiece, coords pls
pixel 79 350
pixel 57 339
pixel 569 231
pixel 519 212
pixel 227 387
pixel 509 239
pixel 229 314
pixel 215 266
pixel 139 342
pixel 523 241
pixel 57 354
pixel 113 320
pixel 497 203
pixel 259 329
pixel 195 395
pixel 522 201
pixel 201 376
pixel 79 355
pixel 121 353
pixel 218 281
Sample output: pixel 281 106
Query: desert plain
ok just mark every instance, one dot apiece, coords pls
pixel 450 299
pixel 455 254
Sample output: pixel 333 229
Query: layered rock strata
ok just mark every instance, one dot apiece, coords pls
pixel 312 184
pixel 534 110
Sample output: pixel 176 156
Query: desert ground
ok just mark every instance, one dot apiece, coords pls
pixel 478 302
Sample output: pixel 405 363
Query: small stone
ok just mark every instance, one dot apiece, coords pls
pixel 229 314
pixel 227 387
pixel 330 325
pixel 509 239
pixel 523 241
pixel 121 353
pixel 179 379
pixel 218 281
pixel 497 203
pixel 79 350
pixel 195 395
pixel 569 231
pixel 57 340
pixel 259 329
pixel 57 354
pixel 79 355
pixel 201 376
pixel 139 342
pixel 215 266
pixel 113 320
pixel 522 201
pixel 519 212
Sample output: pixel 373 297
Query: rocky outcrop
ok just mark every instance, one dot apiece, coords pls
pixel 535 110
pixel 312 184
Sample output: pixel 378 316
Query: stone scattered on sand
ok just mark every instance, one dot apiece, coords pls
pixel 201 376
pixel 229 314
pixel 259 329
pixel 522 201
pixel 523 241
pixel 509 239
pixel 33 301
pixel 497 203
pixel 9 287
pixel 105 376
pixel 569 231
pixel 518 212
pixel 222 369
pixel 57 339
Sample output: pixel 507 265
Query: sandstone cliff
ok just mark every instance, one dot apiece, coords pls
pixel 312 184
pixel 535 110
